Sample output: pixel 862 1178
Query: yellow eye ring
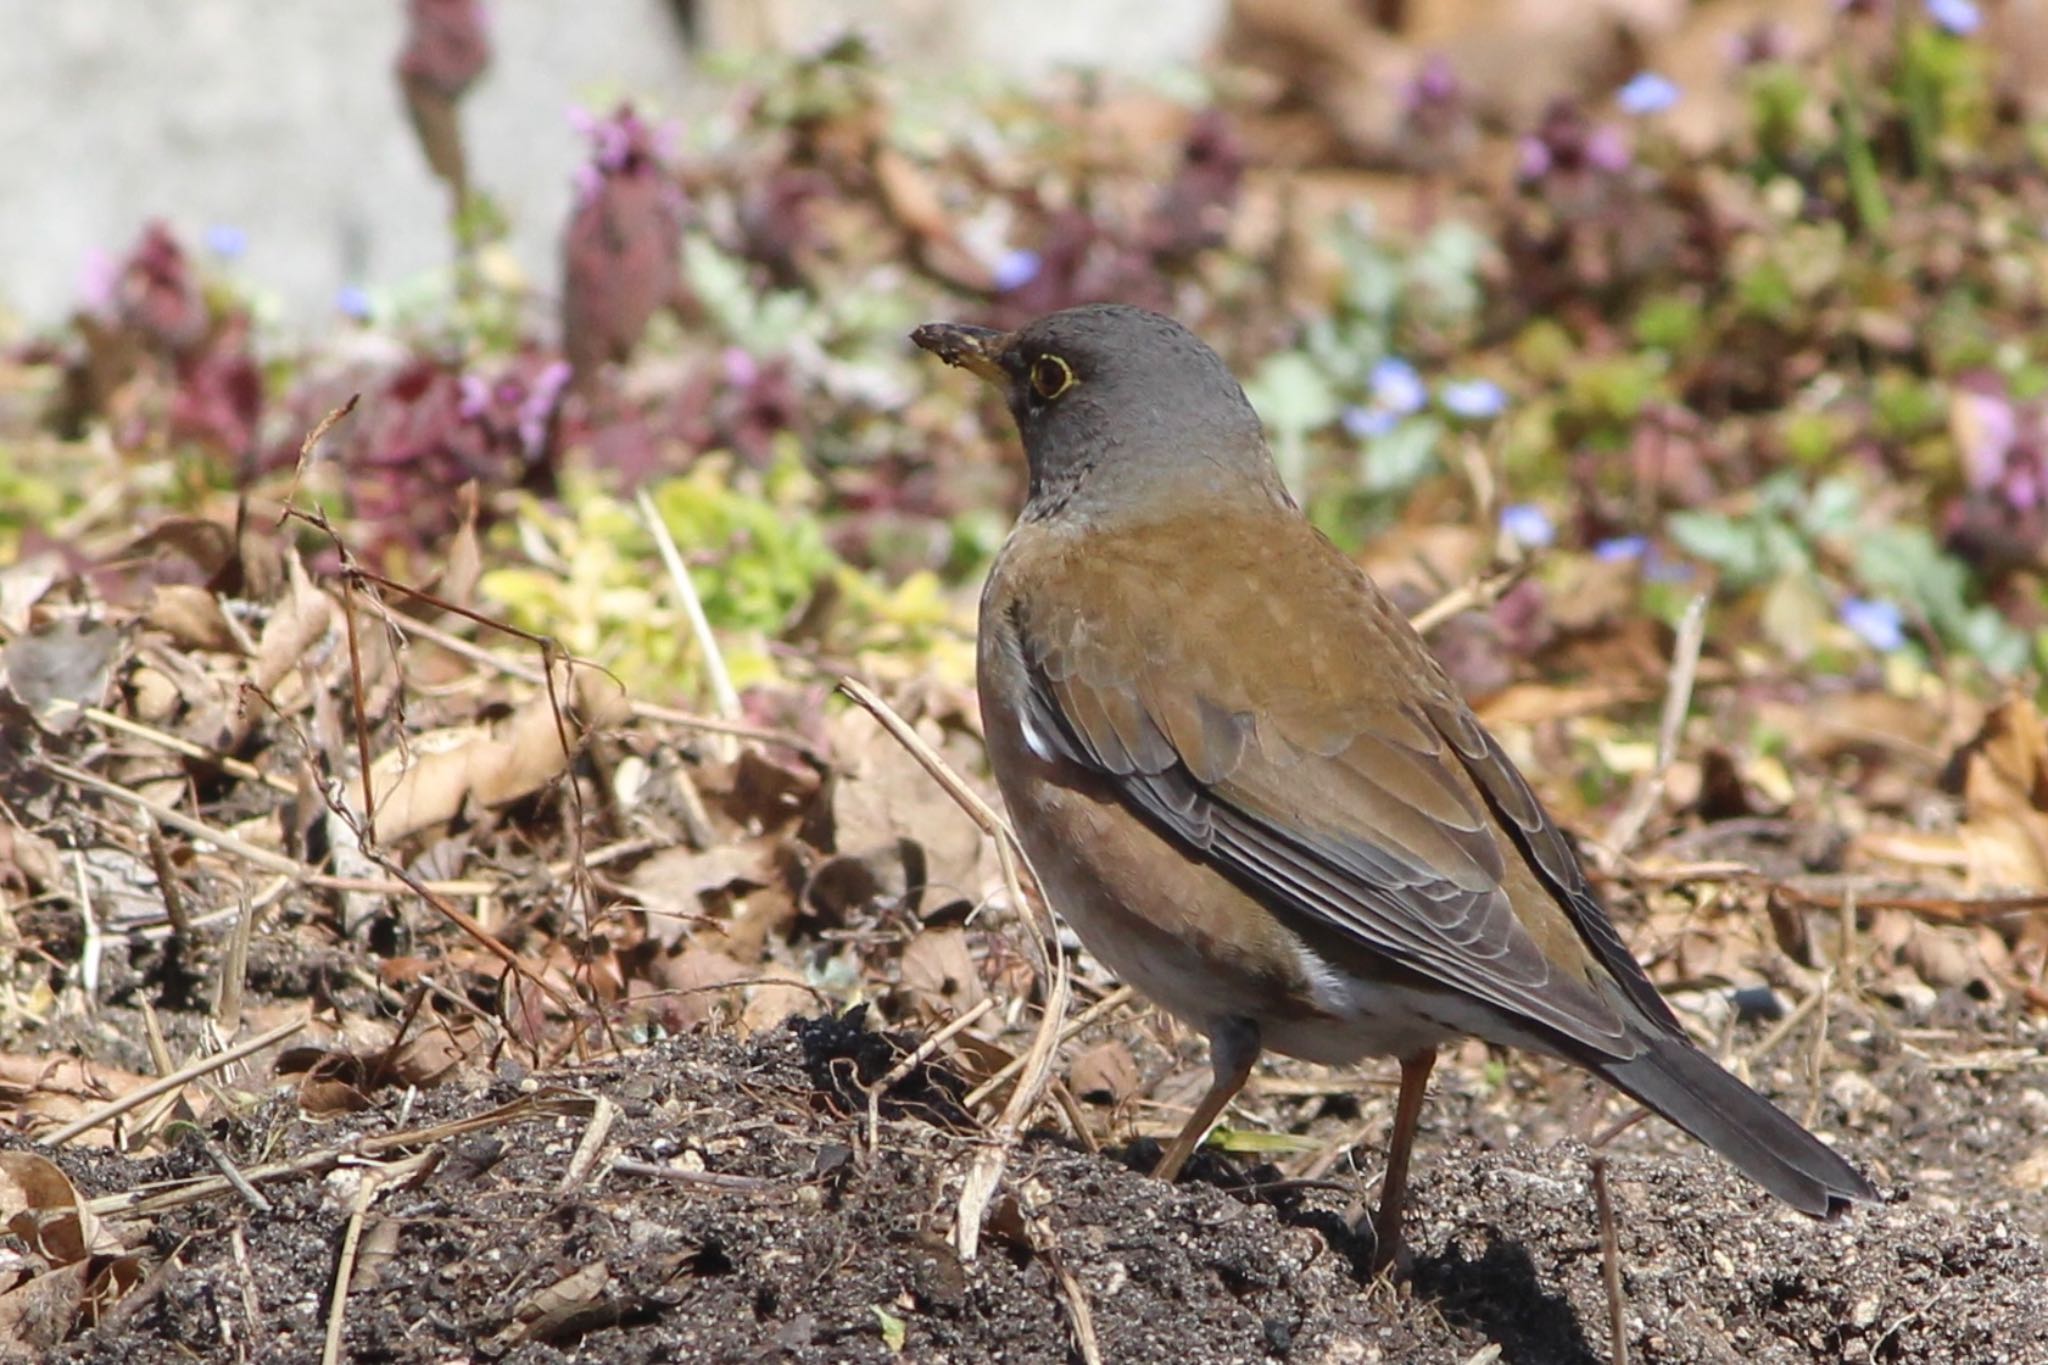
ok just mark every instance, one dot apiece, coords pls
pixel 1051 377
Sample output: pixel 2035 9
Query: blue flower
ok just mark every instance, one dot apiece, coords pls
pixel 227 241
pixel 353 301
pixel 1397 387
pixel 1528 525
pixel 1476 400
pixel 1649 93
pixel 1876 622
pixel 1960 17
pixel 1620 549
pixel 1016 269
pixel 1365 423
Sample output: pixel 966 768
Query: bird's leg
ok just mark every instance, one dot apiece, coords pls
pixel 1386 1226
pixel 1233 1050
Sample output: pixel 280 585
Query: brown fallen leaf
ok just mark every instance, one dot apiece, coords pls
pixel 59 667
pixel 881 794
pixel 683 890
pixel 490 765
pixel 940 975
pixel 2005 799
pixel 572 1305
pixel 37 1314
pixel 40 1205
pixel 192 617
pixel 2000 843
pixel 1104 1074
pixel 696 987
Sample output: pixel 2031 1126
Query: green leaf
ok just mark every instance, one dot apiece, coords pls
pixel 1258 1141
pixel 1291 393
pixel 894 1331
pixel 1294 398
pixel 1402 458
pixel 1734 547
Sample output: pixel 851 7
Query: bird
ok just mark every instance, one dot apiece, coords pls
pixel 1242 778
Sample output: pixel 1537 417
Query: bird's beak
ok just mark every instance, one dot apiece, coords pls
pixel 971 348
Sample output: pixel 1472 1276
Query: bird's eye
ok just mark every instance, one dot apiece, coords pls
pixel 1051 377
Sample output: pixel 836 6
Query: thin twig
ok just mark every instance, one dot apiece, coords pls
pixel 924 1050
pixel 1075 1027
pixel 184 1075
pixel 642 710
pixel 1476 592
pixel 227 1001
pixel 603 1114
pixel 1610 1266
pixel 1649 788
pixel 178 744
pixel 167 882
pixel 95 940
pixel 723 694
pixel 985 1168
pixel 345 1265
pixel 147 1203
pixel 1072 1296
pixel 177 819
pixel 915 1058
pixel 716 1180
pixel 233 1175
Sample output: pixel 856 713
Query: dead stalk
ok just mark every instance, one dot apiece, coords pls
pixel 984 1171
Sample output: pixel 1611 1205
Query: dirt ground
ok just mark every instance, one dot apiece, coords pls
pixel 736 1209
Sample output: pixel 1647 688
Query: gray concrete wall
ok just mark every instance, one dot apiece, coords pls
pixel 281 117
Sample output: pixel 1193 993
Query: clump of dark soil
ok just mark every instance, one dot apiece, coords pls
pixel 736 1212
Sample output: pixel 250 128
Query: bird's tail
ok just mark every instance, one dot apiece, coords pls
pixel 1677 1080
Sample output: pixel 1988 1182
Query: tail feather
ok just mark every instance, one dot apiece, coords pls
pixel 1686 1086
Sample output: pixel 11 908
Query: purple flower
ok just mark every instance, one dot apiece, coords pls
pixel 1960 17
pixel 1397 387
pixel 1607 149
pixel 1647 93
pixel 620 251
pixel 1365 423
pixel 1434 85
pixel 538 411
pixel 1016 268
pixel 227 241
pixel 1476 400
pixel 1989 430
pixel 476 397
pixel 353 301
pixel 1528 525
pixel 98 277
pixel 741 369
pixel 1620 549
pixel 1876 622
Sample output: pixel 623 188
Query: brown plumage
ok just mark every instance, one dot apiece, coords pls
pixel 1244 780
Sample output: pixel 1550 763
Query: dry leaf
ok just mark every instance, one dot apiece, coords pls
pixel 38 1313
pixel 59 667
pixel 572 1305
pixel 939 973
pixel 491 765
pixel 880 794
pixel 192 617
pixel 39 1204
pixel 770 1005
pixel 1104 1074
pixel 699 986
pixel 2005 800
pixel 680 888
pixel 22 585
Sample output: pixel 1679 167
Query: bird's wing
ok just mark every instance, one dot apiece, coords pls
pixel 1317 755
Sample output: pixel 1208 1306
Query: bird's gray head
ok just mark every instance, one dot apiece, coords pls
pixel 1118 408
